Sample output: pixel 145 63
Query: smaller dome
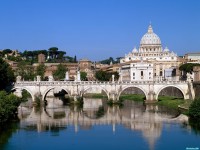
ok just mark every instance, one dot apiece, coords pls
pixel 166 49
pixel 134 50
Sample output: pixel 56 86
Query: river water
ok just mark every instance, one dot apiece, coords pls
pixel 97 126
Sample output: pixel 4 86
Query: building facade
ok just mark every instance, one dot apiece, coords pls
pixel 192 57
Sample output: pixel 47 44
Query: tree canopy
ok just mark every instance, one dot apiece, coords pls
pixel 106 76
pixel 8 106
pixel 109 60
pixel 40 70
pixel 83 76
pixel 59 73
pixel 6 75
pixel 188 67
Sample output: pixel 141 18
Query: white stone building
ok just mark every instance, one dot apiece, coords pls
pixel 150 58
pixel 192 57
pixel 141 71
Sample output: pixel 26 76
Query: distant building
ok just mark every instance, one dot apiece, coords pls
pixel 192 57
pixel 86 65
pixel 196 73
pixel 41 58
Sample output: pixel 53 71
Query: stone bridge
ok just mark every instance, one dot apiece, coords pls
pixel 113 90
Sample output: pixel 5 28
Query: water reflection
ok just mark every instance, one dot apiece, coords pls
pixel 147 119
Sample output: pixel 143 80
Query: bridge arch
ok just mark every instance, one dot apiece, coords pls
pixel 182 91
pixel 133 86
pixel 47 90
pixel 24 88
pixel 88 88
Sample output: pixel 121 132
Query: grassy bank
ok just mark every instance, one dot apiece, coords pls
pixel 170 102
pixel 95 95
pixel 134 97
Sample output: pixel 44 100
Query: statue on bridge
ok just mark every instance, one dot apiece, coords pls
pixel 66 76
pixel 50 78
pixel 19 78
pixel 38 78
pixel 113 78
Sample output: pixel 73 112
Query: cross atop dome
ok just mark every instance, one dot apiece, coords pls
pixel 150 29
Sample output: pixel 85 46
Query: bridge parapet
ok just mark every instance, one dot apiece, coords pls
pixel 49 83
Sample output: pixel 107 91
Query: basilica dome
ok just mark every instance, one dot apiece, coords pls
pixel 150 38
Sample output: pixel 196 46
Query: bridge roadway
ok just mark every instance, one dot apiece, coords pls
pixel 113 90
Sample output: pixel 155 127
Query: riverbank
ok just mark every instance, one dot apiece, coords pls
pixel 168 101
pixel 95 95
pixel 171 102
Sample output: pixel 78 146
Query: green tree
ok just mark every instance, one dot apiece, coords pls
pixel 100 75
pixel 6 75
pixel 75 60
pixel 40 70
pixel 194 109
pixel 7 51
pixel 83 76
pixel 53 52
pixel 108 61
pixel 188 67
pixel 59 73
pixel 106 76
pixel 8 106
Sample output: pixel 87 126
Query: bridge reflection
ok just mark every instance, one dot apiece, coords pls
pixel 133 115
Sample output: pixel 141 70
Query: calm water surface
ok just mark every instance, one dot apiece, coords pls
pixel 97 126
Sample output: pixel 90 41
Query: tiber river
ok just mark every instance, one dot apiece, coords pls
pixel 96 126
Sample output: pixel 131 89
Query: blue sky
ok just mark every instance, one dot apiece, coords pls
pixel 98 29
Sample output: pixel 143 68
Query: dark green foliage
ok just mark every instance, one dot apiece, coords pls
pixel 53 51
pixel 188 68
pixel 6 75
pixel 59 74
pixel 32 56
pixel 108 61
pixel 194 109
pixel 70 59
pixel 83 76
pixel 40 70
pixel 8 106
pixel 75 60
pixel 25 96
pixel 106 76
pixel 7 51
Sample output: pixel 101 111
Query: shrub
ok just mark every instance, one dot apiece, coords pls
pixel 8 106
pixel 194 109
